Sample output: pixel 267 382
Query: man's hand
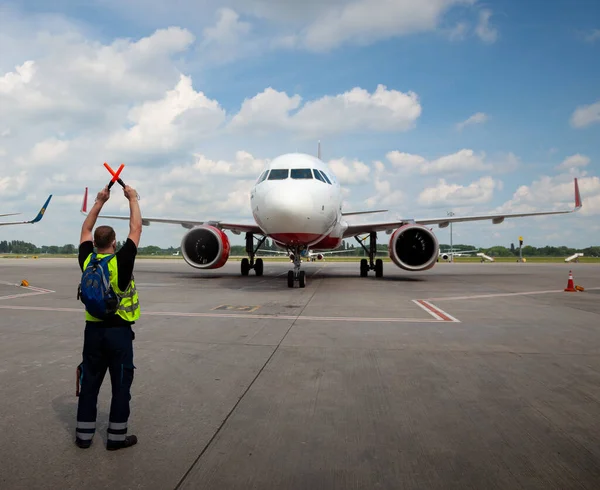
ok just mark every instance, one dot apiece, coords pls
pixel 103 195
pixel 130 193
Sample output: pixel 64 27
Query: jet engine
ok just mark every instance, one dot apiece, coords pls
pixel 414 248
pixel 205 247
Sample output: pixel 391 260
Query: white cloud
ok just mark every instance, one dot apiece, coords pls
pixel 464 160
pixel 593 36
pixel 576 160
pixel 477 118
pixel 349 172
pixel 585 115
pixel 224 40
pixel 365 21
pixel 458 32
pixel 164 124
pixel 452 195
pixel 355 110
pixel 555 193
pixel 483 30
pixel 48 151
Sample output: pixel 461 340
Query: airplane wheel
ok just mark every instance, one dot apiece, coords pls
pixel 245 267
pixel 379 268
pixel 302 279
pixel 364 268
pixel 290 279
pixel 258 267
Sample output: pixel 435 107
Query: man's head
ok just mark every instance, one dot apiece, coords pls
pixel 105 238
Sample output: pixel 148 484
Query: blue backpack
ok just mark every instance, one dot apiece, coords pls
pixel 95 290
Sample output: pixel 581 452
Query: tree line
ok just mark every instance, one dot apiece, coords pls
pixel 351 249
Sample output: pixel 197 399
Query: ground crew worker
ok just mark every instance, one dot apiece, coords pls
pixel 108 344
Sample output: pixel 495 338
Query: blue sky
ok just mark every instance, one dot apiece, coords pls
pixel 524 74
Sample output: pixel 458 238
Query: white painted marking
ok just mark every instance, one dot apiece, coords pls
pixel 36 291
pixel 244 316
pixel 434 311
pixel 498 295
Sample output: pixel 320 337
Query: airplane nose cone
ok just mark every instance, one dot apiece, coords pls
pixel 289 216
pixel 283 205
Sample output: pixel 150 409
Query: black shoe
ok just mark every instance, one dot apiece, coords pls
pixel 83 444
pixel 128 442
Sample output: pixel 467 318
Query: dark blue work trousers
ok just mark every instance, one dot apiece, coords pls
pixel 105 348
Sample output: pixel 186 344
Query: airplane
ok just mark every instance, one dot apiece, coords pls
pixel 297 202
pixel 39 216
pixel 445 255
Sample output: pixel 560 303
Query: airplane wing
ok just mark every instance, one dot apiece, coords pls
pixel 39 216
pixel 236 228
pixel 496 219
pixel 9 214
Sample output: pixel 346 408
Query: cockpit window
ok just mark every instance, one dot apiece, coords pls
pixel 279 174
pixel 318 176
pixel 325 177
pixel 301 173
pixel 262 177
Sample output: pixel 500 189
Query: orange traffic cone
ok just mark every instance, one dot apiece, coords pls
pixel 570 285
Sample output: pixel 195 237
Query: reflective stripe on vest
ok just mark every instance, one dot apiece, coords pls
pixel 129 304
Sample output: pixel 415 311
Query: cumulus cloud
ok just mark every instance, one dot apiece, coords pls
pixel 586 115
pixel 555 193
pixel 464 160
pixel 365 21
pixel 444 194
pixel 349 172
pixel 484 31
pixel 164 124
pixel 224 40
pixel 354 110
pixel 477 118
pixel 574 161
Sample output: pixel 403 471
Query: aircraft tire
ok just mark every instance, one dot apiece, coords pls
pixel 259 267
pixel 379 268
pixel 245 266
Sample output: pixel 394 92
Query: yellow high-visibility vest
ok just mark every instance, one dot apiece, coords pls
pixel 129 304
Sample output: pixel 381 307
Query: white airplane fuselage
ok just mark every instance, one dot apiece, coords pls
pixel 297 202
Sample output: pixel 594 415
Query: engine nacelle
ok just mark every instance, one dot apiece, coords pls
pixel 319 256
pixel 414 248
pixel 205 247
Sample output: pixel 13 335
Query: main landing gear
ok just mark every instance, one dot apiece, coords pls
pixel 249 263
pixel 297 274
pixel 371 264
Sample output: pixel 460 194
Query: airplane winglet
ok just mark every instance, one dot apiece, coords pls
pixel 40 214
pixel 578 201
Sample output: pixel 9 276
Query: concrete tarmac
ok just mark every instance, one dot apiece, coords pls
pixel 483 376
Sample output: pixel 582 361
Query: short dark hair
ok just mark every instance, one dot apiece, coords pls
pixel 104 236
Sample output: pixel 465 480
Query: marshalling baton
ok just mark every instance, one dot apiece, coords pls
pixel 116 177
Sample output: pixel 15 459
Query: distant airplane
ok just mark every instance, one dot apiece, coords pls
pixel 445 255
pixel 297 202
pixel 312 256
pixel 39 216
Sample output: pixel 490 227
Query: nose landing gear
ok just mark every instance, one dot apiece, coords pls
pixel 296 274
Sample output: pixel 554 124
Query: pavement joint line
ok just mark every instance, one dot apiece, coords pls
pixel 234 408
pixel 498 295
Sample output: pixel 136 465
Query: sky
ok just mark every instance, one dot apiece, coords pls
pixel 422 108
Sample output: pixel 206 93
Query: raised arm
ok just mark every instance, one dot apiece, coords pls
pixel 90 220
pixel 135 216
